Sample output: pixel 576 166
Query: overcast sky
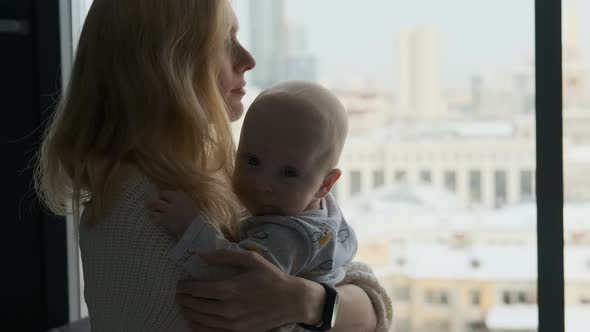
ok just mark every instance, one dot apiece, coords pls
pixel 356 39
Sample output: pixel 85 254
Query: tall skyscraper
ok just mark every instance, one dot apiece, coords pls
pixel 419 72
pixel 268 40
pixel 300 63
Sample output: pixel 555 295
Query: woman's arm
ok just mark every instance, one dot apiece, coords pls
pixel 355 311
pixel 263 297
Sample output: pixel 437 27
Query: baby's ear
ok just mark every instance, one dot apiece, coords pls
pixel 328 183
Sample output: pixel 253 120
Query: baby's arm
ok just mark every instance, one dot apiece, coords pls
pixel 176 213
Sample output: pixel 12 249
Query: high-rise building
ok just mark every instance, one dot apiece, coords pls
pixel 419 72
pixel 268 41
pixel 300 63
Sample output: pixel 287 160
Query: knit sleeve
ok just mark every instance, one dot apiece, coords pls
pixel 361 275
pixel 129 283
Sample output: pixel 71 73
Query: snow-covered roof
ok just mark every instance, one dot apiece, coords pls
pixel 429 206
pixel 578 153
pixel 440 129
pixel 493 263
pixel 525 317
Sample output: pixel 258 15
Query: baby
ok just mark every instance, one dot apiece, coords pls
pixel 290 144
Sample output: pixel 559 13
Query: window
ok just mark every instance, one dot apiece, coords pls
pixel 425 177
pixel 401 293
pixel 355 182
pixel 378 178
pixel 506 298
pixel 475 298
pixel 451 181
pixel 501 187
pixel 526 185
pixel 400 176
pixel 475 190
pixel 436 297
pixel 481 94
pixel 522 297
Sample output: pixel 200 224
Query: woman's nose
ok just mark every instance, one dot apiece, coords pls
pixel 245 61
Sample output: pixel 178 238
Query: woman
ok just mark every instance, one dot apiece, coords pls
pixel 153 88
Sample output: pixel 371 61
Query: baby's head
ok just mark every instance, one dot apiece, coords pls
pixel 289 147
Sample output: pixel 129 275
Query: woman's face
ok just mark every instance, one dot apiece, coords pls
pixel 237 61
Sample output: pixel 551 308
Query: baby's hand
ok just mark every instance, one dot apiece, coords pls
pixel 173 210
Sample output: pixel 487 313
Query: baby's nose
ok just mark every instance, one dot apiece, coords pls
pixel 265 188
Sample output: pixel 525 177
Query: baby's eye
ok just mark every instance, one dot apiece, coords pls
pixel 253 161
pixel 290 172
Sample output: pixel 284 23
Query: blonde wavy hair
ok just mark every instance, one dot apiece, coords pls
pixel 143 94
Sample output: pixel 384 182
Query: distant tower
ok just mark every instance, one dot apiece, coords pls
pixel 268 40
pixel 300 64
pixel 419 72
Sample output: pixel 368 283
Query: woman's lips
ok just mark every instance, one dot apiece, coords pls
pixel 239 91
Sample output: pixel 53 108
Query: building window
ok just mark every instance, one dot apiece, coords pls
pixel 400 176
pixel 401 293
pixel 475 298
pixel 451 181
pixel 526 185
pixel 522 297
pixel 506 299
pixel 436 297
pixel 516 297
pixel 500 188
pixel 425 177
pixel 355 182
pixel 378 178
pixel 475 186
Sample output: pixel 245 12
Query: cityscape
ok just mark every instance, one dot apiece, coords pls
pixel 439 176
pixel 439 183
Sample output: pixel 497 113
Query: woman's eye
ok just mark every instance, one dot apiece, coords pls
pixel 231 45
pixel 290 172
pixel 253 161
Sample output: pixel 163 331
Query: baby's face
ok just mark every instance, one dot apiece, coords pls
pixel 277 170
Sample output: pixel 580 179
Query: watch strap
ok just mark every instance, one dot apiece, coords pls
pixel 327 311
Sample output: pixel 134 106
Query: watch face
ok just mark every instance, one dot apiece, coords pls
pixel 335 311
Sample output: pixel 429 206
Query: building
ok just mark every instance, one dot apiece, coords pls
pixel 367 109
pixel 419 73
pixel 301 64
pixel 484 163
pixel 452 270
pixel 268 41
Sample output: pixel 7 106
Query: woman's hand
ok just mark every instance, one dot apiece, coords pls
pixel 260 298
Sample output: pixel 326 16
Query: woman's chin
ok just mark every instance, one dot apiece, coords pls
pixel 235 112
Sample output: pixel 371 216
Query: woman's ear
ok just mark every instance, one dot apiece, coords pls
pixel 328 183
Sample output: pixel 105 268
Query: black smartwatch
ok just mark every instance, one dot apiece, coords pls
pixel 328 313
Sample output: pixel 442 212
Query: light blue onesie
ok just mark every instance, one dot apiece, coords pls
pixel 314 245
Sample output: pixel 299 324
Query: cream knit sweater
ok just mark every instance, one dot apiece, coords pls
pixel 130 283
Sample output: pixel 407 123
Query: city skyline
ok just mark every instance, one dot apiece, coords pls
pixel 503 39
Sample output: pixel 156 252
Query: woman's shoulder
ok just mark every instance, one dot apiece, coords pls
pixel 130 193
